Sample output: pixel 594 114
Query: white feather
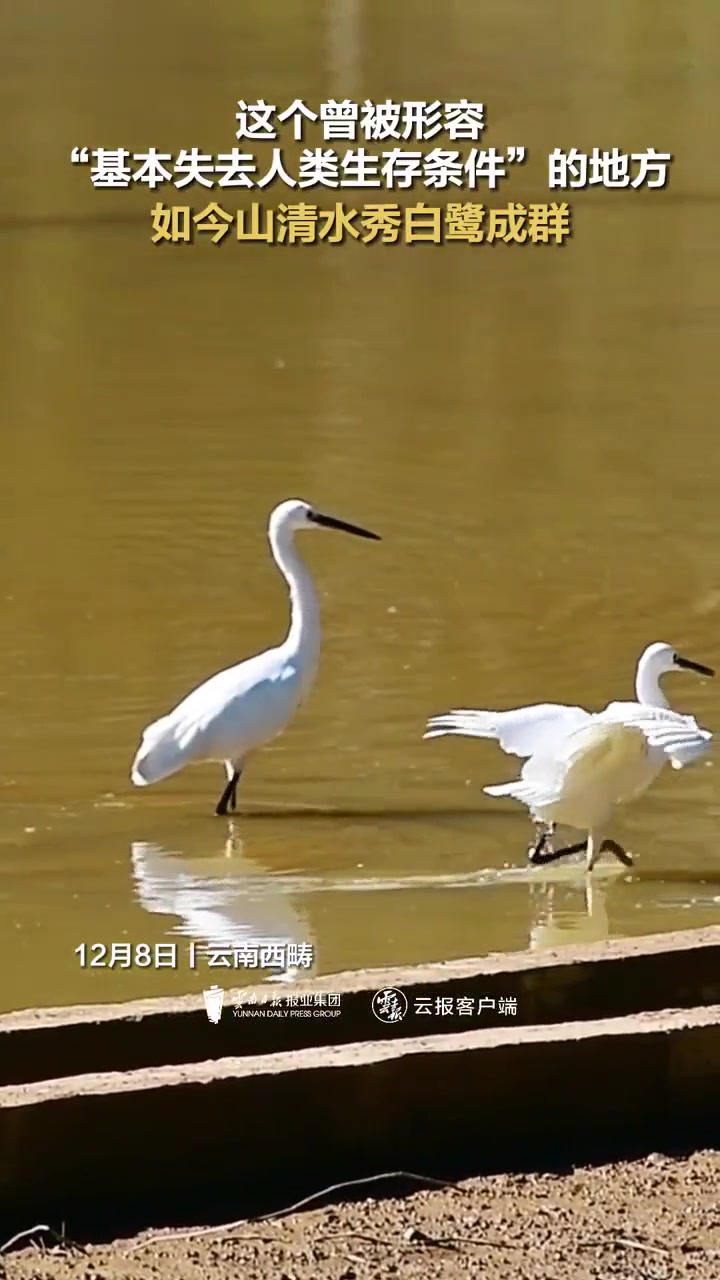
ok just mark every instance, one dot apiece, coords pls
pixel 245 706
pixel 580 765
pixel 232 713
pixel 518 731
pixel 580 779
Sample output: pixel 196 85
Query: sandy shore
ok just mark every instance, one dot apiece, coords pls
pixel 655 1219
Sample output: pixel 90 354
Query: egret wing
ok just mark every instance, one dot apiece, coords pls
pixel 227 714
pixel 680 737
pixel 522 731
pixel 592 760
pixel 543 774
pixel 237 709
pixel 617 751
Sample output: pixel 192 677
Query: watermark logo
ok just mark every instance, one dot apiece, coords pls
pixel 390 1005
pixel 213 998
pixel 308 1004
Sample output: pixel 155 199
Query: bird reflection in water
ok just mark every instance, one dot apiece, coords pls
pixel 222 901
pixel 570 911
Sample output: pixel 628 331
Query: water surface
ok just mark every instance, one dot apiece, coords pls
pixel 533 431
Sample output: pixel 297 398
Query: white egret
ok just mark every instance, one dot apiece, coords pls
pixel 242 708
pixel 581 777
pixel 523 731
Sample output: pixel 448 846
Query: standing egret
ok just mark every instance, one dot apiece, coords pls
pixel 523 731
pixel 579 779
pixel 242 708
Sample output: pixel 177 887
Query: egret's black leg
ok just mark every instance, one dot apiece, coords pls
pixel 538 857
pixel 543 840
pixel 621 854
pixel 233 793
pixel 536 849
pixel 229 795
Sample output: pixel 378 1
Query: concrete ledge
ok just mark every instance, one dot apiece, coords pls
pixel 117 1152
pixel 610 979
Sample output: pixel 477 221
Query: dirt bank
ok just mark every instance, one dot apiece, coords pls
pixel 655 1219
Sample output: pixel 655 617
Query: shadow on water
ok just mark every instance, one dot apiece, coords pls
pixel 379 813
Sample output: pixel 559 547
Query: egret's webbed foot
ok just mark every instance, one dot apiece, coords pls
pixel 540 856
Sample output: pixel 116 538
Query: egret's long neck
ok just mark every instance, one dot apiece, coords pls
pixel 303 637
pixel 647 684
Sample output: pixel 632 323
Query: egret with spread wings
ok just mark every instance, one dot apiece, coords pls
pixel 581 778
pixel 525 731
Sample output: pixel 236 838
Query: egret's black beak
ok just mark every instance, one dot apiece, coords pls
pixel 329 522
pixel 687 665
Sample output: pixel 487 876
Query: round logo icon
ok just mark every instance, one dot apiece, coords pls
pixel 389 1005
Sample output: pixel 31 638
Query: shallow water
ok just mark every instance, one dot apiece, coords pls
pixel 532 431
